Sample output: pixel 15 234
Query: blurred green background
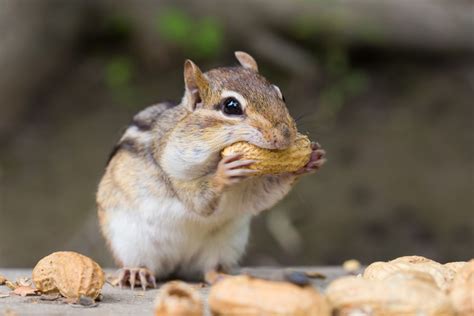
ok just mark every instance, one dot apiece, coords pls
pixel 387 87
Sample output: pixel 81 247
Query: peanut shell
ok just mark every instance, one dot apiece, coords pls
pixel 462 290
pixel 70 274
pixel 177 298
pixel 455 266
pixel 440 273
pixel 244 295
pixel 401 293
pixel 274 161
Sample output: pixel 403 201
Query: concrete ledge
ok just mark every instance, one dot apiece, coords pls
pixel 127 302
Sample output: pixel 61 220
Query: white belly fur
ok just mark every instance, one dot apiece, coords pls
pixel 164 237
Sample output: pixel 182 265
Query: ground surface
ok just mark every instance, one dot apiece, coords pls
pixel 125 302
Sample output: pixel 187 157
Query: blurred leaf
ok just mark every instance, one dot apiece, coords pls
pixel 118 76
pixel 118 72
pixel 331 101
pixel 355 82
pixel 174 25
pixel 337 61
pixel 203 37
pixel 208 39
pixel 304 28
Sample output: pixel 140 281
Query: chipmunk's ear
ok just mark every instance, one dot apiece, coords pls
pixel 196 84
pixel 246 60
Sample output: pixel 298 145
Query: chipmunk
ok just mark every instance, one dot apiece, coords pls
pixel 168 203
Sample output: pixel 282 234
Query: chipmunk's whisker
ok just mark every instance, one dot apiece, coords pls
pixel 304 115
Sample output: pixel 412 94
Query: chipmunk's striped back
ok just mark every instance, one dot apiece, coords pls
pixel 137 137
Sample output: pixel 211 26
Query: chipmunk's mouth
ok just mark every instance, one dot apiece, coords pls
pixel 273 143
pixel 271 139
pixel 279 138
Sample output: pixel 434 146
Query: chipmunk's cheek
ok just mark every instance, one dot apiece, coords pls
pixel 250 134
pixel 261 140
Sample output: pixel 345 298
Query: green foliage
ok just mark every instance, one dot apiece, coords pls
pixel 344 82
pixel 174 26
pixel 334 24
pixel 355 82
pixel 118 72
pixel 304 28
pixel 336 61
pixel 208 39
pixel 202 37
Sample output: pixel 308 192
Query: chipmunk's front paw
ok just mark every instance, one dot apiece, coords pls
pixel 231 170
pixel 316 161
pixel 136 276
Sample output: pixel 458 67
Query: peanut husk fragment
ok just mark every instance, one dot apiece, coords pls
pixel 2 279
pixel 25 291
pixel 351 266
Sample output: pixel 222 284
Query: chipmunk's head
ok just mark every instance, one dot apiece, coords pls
pixel 241 102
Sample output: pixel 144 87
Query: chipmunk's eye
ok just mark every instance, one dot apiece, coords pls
pixel 231 106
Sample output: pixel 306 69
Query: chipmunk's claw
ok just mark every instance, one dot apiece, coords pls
pixel 136 276
pixel 231 169
pixel 316 160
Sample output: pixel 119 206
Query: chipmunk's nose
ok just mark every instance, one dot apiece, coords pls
pixel 282 136
pixel 285 131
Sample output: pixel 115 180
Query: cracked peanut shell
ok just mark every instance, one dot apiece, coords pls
pixel 274 161
pixel 70 274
